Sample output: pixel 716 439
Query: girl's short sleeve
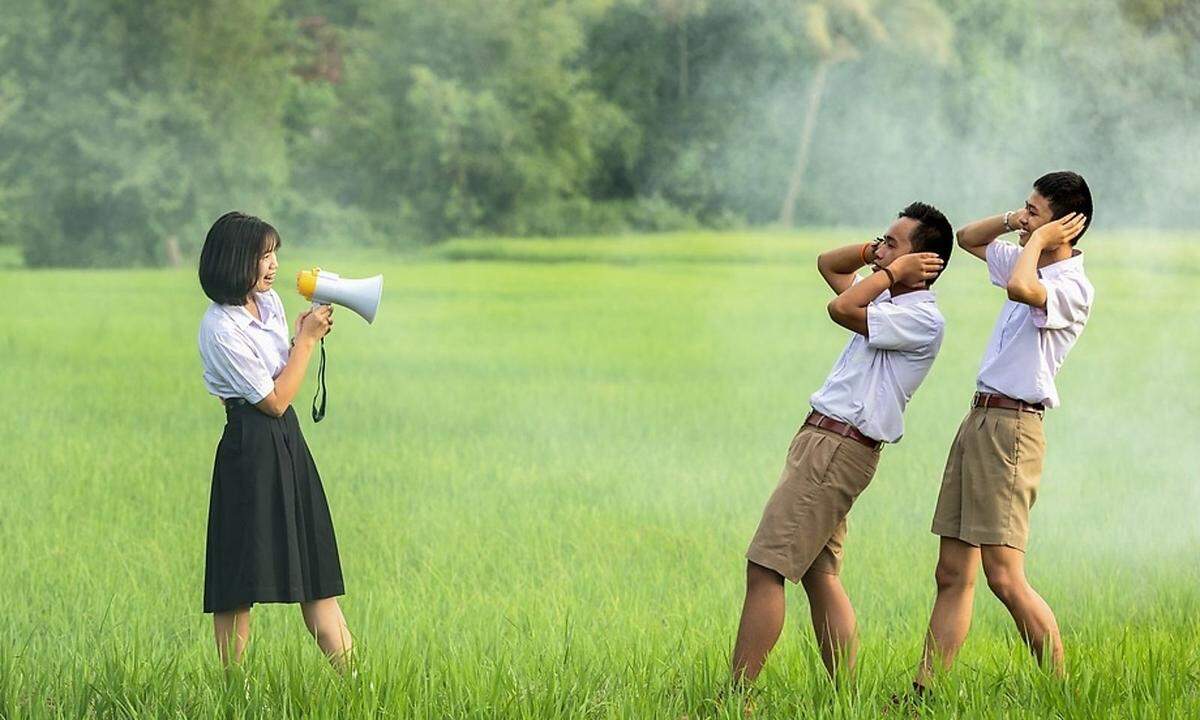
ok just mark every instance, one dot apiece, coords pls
pixel 232 358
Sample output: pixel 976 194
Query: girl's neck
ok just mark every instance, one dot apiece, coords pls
pixel 252 307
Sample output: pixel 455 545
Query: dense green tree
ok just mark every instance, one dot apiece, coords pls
pixel 696 80
pixel 138 122
pixel 465 115
pixel 125 126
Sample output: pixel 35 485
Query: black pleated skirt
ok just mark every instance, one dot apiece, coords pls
pixel 270 535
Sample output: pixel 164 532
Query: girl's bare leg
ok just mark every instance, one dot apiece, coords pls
pixel 232 626
pixel 327 624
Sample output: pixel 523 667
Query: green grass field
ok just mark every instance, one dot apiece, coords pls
pixel 545 461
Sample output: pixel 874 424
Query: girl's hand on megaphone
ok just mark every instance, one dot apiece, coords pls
pixel 316 323
pixel 300 322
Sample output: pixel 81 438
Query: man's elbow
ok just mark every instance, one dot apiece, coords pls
pixel 1013 289
pixel 961 238
pixel 822 266
pixel 837 310
pixel 1020 292
pixel 847 315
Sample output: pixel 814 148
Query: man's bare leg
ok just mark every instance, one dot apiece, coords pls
pixel 833 620
pixel 233 625
pixel 1005 570
pixel 958 564
pixel 763 613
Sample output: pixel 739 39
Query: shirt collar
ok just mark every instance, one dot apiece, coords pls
pixel 243 318
pixel 1058 268
pixel 912 298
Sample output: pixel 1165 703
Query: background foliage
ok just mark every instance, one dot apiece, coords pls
pixel 126 127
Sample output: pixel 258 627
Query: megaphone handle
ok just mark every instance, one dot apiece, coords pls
pixel 318 411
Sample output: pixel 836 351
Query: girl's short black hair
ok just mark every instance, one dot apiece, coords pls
pixel 229 260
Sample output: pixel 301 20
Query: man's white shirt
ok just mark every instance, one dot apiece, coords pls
pixel 1028 344
pixel 875 376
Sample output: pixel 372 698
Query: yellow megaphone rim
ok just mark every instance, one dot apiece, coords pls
pixel 306 282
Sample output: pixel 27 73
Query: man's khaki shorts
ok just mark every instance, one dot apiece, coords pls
pixel 804 523
pixel 991 478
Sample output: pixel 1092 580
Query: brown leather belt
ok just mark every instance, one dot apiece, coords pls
pixel 987 400
pixel 825 422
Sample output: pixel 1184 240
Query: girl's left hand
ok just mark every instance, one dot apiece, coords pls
pixel 300 321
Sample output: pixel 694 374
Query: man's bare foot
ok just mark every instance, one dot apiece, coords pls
pixel 743 695
pixel 908 703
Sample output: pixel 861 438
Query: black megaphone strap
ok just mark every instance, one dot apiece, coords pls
pixel 318 411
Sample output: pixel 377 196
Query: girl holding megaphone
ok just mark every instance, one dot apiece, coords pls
pixel 270 534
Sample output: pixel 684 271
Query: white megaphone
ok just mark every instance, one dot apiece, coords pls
pixel 323 288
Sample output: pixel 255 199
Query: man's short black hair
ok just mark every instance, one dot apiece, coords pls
pixel 1067 192
pixel 932 234
pixel 229 260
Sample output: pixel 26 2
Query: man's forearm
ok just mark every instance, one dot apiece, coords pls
pixel 838 266
pixel 861 294
pixel 849 309
pixel 846 259
pixel 981 232
pixel 1023 284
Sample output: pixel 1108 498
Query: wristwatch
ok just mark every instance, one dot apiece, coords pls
pixel 1008 227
